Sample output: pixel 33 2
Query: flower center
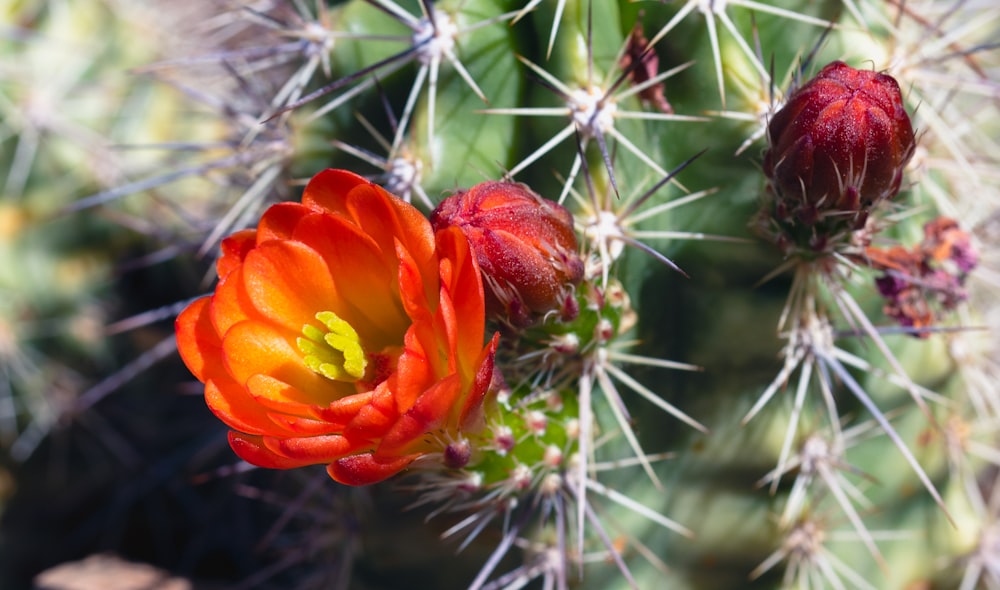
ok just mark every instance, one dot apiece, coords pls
pixel 335 352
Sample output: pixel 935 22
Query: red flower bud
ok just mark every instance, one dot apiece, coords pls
pixel 839 145
pixel 525 246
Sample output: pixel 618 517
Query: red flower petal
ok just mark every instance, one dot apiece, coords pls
pixel 297 425
pixel 389 220
pixel 230 303
pixel 472 413
pixel 375 418
pixel 429 412
pixel 310 450
pixel 238 410
pixel 380 215
pixel 275 394
pixel 342 411
pixel 288 283
pixel 327 191
pixel 364 276
pixel 279 222
pixel 361 470
pixel 196 338
pixel 466 295
pixel 252 450
pixel 233 250
pixel 413 372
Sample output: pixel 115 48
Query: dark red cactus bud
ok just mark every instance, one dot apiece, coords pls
pixel 525 246
pixel 840 143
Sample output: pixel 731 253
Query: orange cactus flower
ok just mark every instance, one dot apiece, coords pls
pixel 342 331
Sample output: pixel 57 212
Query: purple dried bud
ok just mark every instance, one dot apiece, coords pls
pixel 944 240
pixel 457 454
pixel 642 64
pixel 964 256
pixel 932 272
pixel 840 143
pixel 525 246
pixel 890 286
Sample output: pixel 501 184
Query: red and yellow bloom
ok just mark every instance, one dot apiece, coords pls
pixel 344 331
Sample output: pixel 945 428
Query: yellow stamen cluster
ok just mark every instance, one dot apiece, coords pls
pixel 336 353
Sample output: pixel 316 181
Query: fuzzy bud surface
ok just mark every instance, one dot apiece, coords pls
pixel 839 145
pixel 525 246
